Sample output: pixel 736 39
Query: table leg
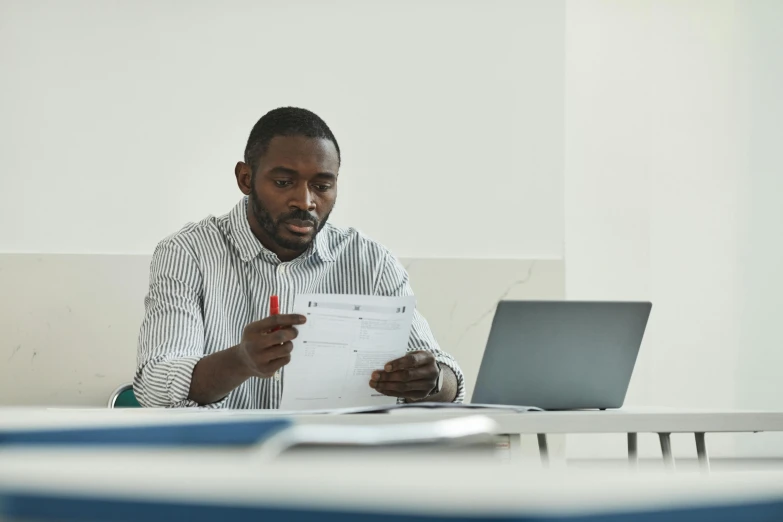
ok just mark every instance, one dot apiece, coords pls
pixel 666 450
pixel 543 449
pixel 701 451
pixel 633 450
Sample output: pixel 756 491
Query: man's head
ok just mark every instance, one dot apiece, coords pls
pixel 290 175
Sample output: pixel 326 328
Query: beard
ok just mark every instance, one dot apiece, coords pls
pixel 275 226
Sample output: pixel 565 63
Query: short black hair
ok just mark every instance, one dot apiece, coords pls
pixel 285 121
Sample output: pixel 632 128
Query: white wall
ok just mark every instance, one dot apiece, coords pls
pixel 123 120
pixel 653 139
pixel 760 248
pixel 672 193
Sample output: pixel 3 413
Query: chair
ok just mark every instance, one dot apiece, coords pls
pixel 123 397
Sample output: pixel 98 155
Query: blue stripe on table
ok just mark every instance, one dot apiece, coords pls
pixel 244 433
pixel 41 507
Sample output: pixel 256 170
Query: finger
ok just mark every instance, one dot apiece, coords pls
pixel 401 389
pixel 389 388
pixel 278 337
pixel 275 365
pixel 268 355
pixel 410 360
pixel 413 374
pixel 277 321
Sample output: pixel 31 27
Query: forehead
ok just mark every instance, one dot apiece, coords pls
pixel 301 153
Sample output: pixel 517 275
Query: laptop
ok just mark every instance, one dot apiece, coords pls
pixel 561 355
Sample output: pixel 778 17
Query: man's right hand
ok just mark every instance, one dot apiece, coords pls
pixel 264 351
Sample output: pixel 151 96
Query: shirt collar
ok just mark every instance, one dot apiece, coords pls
pixel 321 246
pixel 250 247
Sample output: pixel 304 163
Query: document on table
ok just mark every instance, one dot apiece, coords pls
pixel 345 339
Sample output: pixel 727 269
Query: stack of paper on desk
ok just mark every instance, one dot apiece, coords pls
pixel 428 406
pixel 421 406
pixel 473 433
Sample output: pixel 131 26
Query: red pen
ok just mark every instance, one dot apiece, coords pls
pixel 274 309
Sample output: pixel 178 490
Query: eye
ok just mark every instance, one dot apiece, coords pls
pixel 282 183
pixel 322 188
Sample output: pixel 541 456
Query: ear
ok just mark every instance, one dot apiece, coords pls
pixel 244 175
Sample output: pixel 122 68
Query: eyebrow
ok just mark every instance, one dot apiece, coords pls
pixel 292 172
pixel 284 170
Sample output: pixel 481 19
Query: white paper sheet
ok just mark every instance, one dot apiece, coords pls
pixel 345 339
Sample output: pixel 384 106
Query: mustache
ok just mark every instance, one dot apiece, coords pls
pixel 299 215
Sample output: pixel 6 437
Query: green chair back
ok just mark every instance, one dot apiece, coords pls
pixel 124 397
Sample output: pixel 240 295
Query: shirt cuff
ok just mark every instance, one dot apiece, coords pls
pixel 449 362
pixel 179 374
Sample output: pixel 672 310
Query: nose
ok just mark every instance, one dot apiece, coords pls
pixel 303 198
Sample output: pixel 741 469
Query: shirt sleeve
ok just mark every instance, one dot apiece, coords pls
pixel 394 281
pixel 171 340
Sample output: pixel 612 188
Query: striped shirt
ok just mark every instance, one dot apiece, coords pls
pixel 212 278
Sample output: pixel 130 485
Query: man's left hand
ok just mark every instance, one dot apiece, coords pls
pixel 413 376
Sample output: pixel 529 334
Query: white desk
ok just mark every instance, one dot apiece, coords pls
pixel 631 422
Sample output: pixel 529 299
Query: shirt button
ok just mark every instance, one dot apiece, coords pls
pixel 281 269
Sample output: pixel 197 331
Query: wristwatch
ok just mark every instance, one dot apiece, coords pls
pixel 439 384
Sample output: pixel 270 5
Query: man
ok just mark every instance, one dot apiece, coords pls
pixel 207 338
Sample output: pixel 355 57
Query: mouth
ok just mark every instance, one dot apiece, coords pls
pixel 300 227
